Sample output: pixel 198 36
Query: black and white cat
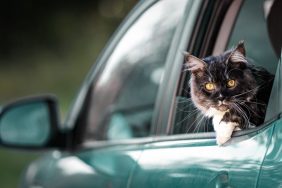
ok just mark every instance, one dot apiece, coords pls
pixel 230 90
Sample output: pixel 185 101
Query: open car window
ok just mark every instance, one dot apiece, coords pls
pixel 250 26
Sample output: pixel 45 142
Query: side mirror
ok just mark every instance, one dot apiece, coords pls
pixel 29 123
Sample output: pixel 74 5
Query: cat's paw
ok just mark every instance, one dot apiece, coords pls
pixel 220 140
pixel 224 131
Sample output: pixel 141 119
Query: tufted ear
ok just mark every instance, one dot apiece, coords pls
pixel 193 63
pixel 241 48
pixel 239 53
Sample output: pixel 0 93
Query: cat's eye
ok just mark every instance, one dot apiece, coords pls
pixel 209 86
pixel 231 83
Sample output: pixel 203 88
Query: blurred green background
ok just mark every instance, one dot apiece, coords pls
pixel 48 47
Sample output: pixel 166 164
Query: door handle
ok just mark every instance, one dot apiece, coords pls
pixel 221 180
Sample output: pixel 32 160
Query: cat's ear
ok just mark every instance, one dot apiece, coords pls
pixel 239 54
pixel 193 63
pixel 240 48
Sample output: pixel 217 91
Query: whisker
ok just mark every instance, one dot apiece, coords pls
pixel 186 117
pixel 248 108
pixel 251 90
pixel 181 110
pixel 242 113
pixel 197 127
pixel 251 102
pixel 191 125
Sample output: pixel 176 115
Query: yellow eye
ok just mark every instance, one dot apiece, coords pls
pixel 209 86
pixel 231 83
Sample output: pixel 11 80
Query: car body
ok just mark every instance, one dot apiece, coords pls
pixel 127 126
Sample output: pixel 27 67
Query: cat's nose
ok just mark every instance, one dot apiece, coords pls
pixel 220 97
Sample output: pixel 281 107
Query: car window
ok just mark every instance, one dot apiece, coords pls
pixel 123 96
pixel 251 27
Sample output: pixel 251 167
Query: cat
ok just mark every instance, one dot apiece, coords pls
pixel 230 90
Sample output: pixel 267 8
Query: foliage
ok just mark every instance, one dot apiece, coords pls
pixel 48 47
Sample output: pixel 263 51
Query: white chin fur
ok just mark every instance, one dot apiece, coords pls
pixel 212 112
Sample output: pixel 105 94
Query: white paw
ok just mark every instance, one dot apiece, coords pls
pixel 224 131
pixel 221 140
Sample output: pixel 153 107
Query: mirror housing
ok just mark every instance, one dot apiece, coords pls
pixel 30 123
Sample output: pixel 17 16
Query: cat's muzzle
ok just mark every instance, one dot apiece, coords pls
pixel 222 106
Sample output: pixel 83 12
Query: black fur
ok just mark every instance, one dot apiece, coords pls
pixel 246 103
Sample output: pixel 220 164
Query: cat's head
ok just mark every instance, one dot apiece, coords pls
pixel 221 82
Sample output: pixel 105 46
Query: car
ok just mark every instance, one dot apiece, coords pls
pixel 128 125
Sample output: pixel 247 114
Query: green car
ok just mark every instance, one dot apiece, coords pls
pixel 129 125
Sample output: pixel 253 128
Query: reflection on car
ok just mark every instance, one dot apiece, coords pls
pixel 128 124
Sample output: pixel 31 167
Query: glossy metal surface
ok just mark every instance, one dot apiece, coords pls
pixel 271 171
pixel 105 167
pixel 184 163
pixel 201 163
pixel 166 163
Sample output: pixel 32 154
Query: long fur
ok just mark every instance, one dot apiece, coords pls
pixel 244 105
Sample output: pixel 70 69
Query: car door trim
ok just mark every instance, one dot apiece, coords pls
pixel 167 90
pixel 237 136
pixel 226 27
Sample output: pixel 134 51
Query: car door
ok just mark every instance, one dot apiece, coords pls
pixel 112 116
pixel 270 175
pixel 181 159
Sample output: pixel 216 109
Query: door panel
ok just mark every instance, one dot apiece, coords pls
pixel 271 171
pixel 104 167
pixel 201 163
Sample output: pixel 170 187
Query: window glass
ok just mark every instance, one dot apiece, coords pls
pixel 123 96
pixel 251 27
